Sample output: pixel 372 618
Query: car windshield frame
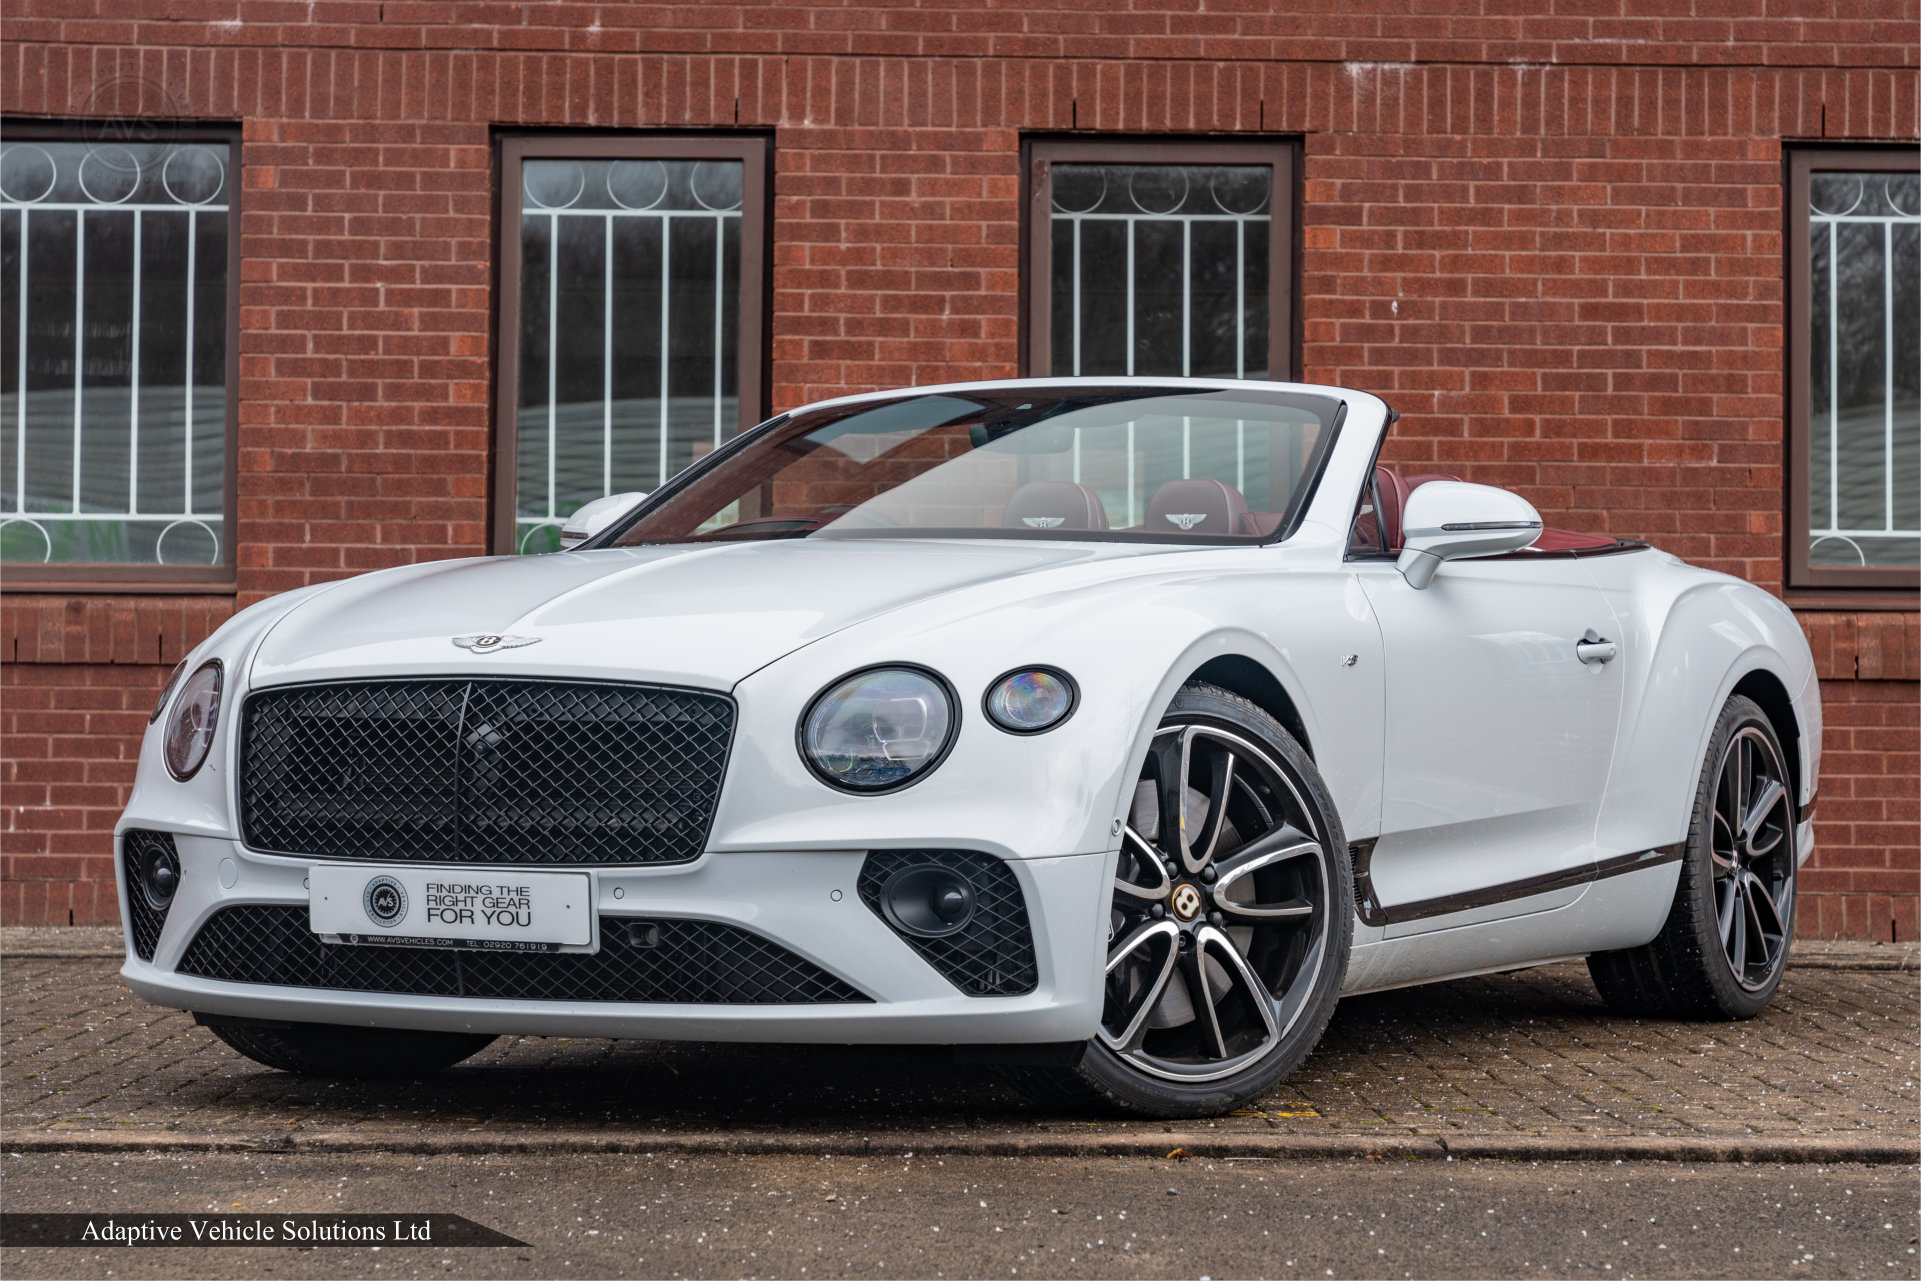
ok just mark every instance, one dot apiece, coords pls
pixel 1324 404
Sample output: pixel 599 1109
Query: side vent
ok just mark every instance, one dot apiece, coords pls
pixel 963 911
pixel 153 876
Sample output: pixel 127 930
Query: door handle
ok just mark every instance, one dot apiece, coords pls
pixel 1594 648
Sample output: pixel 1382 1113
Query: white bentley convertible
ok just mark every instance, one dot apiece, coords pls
pixel 1111 729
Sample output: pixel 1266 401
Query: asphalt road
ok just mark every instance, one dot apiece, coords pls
pixel 806 1217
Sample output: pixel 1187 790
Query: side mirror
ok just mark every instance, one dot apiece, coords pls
pixel 1452 520
pixel 596 516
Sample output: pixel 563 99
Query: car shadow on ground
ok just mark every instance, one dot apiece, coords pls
pixel 553 1082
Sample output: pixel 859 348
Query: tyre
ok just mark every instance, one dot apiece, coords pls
pixel 1231 915
pixel 1722 951
pixel 325 1049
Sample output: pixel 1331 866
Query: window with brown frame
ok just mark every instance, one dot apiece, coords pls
pixel 1854 369
pixel 631 317
pixel 118 299
pixel 1160 257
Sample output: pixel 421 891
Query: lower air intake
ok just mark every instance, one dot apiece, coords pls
pixel 138 849
pixel 993 954
pixel 654 961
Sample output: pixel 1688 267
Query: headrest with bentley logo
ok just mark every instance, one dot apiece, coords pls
pixel 1054 504
pixel 1197 507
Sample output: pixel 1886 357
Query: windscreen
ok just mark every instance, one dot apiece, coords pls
pixel 1129 463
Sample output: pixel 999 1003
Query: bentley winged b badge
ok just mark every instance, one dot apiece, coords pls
pixel 489 643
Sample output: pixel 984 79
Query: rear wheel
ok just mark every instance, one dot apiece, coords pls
pixel 324 1049
pixel 1229 924
pixel 1722 951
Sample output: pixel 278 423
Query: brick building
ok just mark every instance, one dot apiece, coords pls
pixel 297 290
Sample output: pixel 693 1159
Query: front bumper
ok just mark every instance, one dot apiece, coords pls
pixel 806 902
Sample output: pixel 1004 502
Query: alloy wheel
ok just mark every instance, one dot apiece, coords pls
pixel 1753 855
pixel 1218 927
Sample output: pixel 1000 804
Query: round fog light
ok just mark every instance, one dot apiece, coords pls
pixel 927 901
pixel 1031 700
pixel 159 875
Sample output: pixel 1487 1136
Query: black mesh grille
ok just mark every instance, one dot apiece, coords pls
pixel 143 918
pixel 483 771
pixel 993 955
pixel 655 961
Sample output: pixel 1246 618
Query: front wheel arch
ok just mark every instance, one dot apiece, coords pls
pixel 1239 674
pixel 1214 1054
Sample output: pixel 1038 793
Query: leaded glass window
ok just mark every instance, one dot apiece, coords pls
pixel 1163 259
pixel 1160 269
pixel 629 353
pixel 114 320
pixel 1864 369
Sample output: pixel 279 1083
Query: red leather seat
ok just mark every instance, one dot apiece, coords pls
pixel 1394 492
pixel 1396 531
pixel 1054 504
pixel 1391 500
pixel 1388 500
pixel 1197 506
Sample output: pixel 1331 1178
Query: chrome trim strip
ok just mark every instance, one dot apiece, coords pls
pixel 1573 553
pixel 1526 887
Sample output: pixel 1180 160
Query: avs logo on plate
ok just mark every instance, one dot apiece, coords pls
pixel 385 901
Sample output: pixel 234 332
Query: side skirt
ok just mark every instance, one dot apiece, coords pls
pixel 1368 907
pixel 1623 909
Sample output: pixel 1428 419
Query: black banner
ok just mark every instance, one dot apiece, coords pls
pixel 386 1230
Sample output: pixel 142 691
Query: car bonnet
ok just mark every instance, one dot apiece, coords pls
pixel 701 615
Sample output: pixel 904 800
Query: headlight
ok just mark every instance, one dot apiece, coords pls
pixel 879 729
pixel 166 691
pixel 195 715
pixel 1031 699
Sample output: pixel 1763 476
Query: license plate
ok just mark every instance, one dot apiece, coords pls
pixel 484 909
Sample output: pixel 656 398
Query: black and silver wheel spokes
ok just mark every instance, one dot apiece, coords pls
pixel 1237 884
pixel 1219 915
pixel 1752 850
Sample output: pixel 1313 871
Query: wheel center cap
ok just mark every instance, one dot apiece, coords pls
pixel 1187 902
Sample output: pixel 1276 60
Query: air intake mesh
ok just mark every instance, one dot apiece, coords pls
pixel 483 771
pixel 144 920
pixel 993 955
pixel 652 961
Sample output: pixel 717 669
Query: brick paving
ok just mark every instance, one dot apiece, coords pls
pixel 1532 1055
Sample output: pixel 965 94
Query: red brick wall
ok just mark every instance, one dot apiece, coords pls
pixel 78 677
pixel 1862 882
pixel 1551 237
pixel 71 735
